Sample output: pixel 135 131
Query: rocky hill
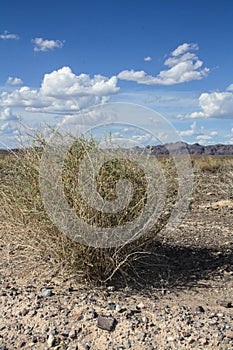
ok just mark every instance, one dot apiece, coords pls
pixel 177 147
pixel 195 149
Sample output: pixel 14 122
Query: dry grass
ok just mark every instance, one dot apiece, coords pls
pixel 213 164
pixel 32 242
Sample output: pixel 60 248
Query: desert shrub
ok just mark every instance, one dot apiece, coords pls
pixel 208 163
pixel 22 205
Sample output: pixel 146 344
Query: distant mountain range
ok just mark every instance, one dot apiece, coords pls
pixel 177 147
pixel 194 149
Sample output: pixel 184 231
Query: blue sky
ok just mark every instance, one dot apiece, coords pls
pixel 174 57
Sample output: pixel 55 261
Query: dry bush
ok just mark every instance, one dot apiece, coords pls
pixel 209 163
pixel 27 228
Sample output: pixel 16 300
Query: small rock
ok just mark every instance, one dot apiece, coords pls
pixel 200 309
pixel 203 341
pixel 47 293
pixel 34 339
pixel 199 324
pixel 170 338
pixel 229 334
pixel 226 303
pixel 145 319
pixel 141 306
pixel 22 344
pixel 53 331
pixel 24 312
pixel 128 344
pixel 186 334
pixel 141 336
pixel 94 314
pixel 105 322
pixel 111 305
pixel 220 338
pixel 120 308
pixel 82 346
pixel 51 340
pixel 73 334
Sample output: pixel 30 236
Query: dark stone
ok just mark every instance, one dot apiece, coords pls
pixel 227 304
pixel 200 309
pixel 106 322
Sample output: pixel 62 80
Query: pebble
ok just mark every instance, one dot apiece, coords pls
pixel 73 334
pixel 226 303
pixel 128 344
pixel 170 338
pixel 145 319
pixel 229 333
pixel 51 340
pixel 203 341
pixel 47 293
pixel 105 322
pixel 200 309
pixel 140 306
pixel 199 324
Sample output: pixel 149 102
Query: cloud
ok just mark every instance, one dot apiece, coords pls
pixel 148 59
pixel 183 66
pixel 214 105
pixel 45 45
pixel 14 81
pixel 8 36
pixel 199 133
pixel 7 115
pixel 190 132
pixel 142 138
pixel 204 137
pixel 214 133
pixel 181 49
pixel 64 83
pixel 230 87
pixel 9 129
pixel 61 91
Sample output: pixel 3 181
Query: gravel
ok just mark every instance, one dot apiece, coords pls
pixel 83 319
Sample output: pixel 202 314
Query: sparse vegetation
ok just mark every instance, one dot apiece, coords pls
pixel 26 227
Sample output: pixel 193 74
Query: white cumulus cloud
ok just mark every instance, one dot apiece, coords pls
pixel 147 58
pixel 181 49
pixel 14 81
pixel 8 128
pixel 7 115
pixel 214 105
pixel 190 132
pixel 45 45
pixel 64 83
pixel 61 91
pixel 199 133
pixel 183 66
pixel 8 36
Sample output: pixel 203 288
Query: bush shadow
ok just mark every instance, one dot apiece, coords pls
pixel 168 267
